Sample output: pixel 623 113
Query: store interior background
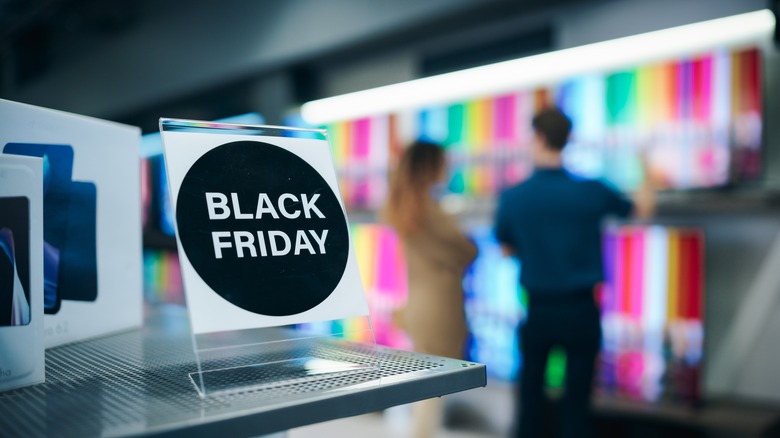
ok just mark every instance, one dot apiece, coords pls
pixel 135 61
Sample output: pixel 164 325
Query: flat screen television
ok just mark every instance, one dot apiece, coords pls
pixel 652 306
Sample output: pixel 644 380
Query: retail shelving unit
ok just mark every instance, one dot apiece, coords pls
pixel 136 384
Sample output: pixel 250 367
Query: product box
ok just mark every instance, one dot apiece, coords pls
pixel 21 272
pixel 92 220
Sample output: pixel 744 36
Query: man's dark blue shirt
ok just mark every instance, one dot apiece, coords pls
pixel 553 221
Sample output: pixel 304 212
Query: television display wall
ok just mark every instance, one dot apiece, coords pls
pixel 696 120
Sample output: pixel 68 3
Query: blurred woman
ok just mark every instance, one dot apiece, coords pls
pixel 437 254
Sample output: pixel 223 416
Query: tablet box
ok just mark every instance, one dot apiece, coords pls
pixel 21 272
pixel 92 218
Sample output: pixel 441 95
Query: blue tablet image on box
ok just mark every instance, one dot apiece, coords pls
pixel 8 276
pixel 14 259
pixel 69 228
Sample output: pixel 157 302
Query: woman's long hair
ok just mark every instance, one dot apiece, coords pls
pixel 418 169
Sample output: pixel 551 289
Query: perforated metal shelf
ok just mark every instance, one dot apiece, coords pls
pixel 136 383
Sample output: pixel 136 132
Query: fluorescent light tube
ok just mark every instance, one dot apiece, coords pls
pixel 545 68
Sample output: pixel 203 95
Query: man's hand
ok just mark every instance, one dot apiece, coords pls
pixel 645 196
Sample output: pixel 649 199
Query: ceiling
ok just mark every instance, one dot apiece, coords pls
pixel 40 39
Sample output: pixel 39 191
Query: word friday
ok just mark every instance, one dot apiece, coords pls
pixel 265 243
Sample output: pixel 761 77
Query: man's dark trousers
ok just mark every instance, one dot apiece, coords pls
pixel 571 321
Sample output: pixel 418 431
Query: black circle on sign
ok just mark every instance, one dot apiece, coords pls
pixel 278 285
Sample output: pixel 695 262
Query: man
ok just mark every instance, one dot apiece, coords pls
pixel 552 223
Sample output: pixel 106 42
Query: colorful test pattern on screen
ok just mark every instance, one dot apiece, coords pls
pixel 361 152
pixel 652 312
pixel 383 271
pixel 495 305
pixel 162 277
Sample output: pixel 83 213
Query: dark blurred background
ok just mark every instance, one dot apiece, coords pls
pixel 134 61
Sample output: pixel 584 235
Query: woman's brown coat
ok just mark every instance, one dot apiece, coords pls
pixel 437 256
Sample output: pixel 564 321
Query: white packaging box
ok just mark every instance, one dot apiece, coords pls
pixel 92 219
pixel 21 272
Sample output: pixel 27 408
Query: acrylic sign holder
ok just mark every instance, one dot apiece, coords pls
pixel 268 357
